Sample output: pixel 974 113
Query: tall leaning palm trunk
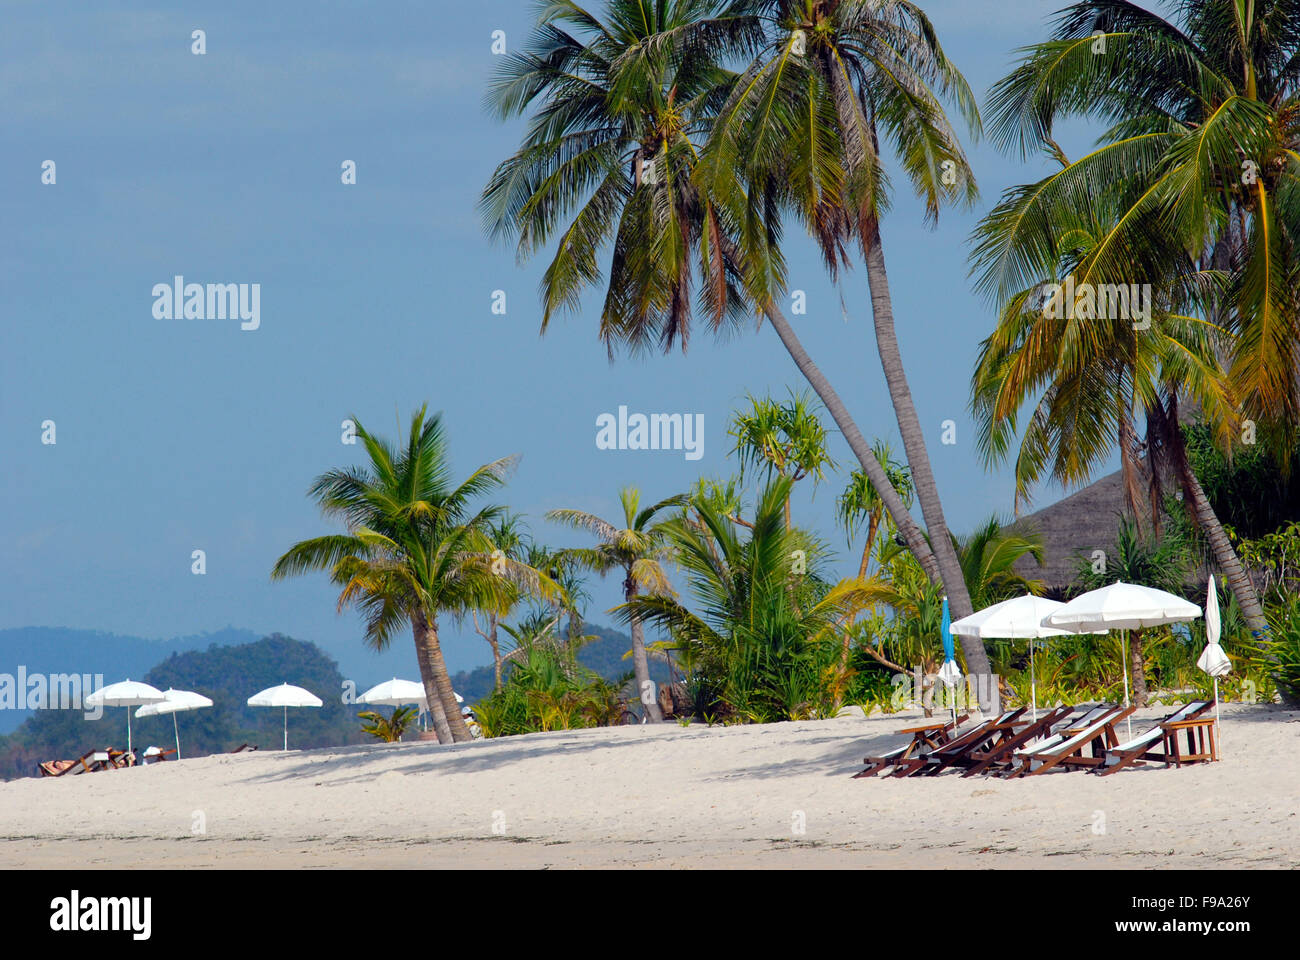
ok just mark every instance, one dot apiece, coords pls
pixel 918 458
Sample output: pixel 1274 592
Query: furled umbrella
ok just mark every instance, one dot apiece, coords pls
pixel 1122 606
pixel 1213 659
pixel 286 695
pixel 949 673
pixel 1020 618
pixel 173 702
pixel 127 693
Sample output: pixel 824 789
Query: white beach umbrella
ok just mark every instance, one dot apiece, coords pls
pixel 286 695
pixel 1020 618
pixel 395 693
pixel 173 702
pixel 127 693
pixel 1122 606
pixel 1213 659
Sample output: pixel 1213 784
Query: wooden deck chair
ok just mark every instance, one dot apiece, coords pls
pixel 1165 734
pixel 244 746
pixel 154 755
pixel 1057 721
pixel 1001 749
pixel 97 760
pixel 1065 749
pixel 925 737
pixel 963 742
pixel 57 768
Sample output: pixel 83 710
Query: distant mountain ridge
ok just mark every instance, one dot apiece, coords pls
pixel 57 650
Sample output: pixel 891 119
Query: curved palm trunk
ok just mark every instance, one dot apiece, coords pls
pixel 907 526
pixel 927 491
pixel 641 663
pixel 430 649
pixel 436 713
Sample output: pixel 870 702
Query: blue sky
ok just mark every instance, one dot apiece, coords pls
pixel 176 435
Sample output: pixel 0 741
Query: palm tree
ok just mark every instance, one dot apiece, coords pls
pixel 1200 161
pixel 988 559
pixel 414 548
pixel 860 502
pixel 637 550
pixel 610 96
pixel 509 536
pixel 763 637
pixel 785 439
pixel 1094 383
pixel 801 131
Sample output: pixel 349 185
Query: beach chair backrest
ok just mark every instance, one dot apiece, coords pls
pixel 1089 733
pixel 1187 711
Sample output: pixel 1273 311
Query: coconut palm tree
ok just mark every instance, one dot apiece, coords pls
pixel 414 547
pixel 619 107
pixel 637 550
pixel 761 636
pixel 1200 162
pixel 510 537
pixel 802 130
pixel 783 439
pixel 860 502
pixel 1100 383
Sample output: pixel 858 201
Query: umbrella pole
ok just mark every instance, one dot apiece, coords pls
pixel 176 730
pixel 286 729
pixel 1033 679
pixel 1218 739
pixel 1123 662
pixel 128 729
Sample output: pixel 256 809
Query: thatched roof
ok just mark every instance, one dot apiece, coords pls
pixel 1077 525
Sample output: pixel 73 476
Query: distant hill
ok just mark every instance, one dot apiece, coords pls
pixel 58 650
pixel 228 675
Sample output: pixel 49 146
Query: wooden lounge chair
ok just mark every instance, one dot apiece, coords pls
pixel 244 746
pixel 154 755
pixel 1001 754
pixel 92 761
pixel 960 746
pixel 1000 749
pixel 1202 744
pixel 1065 748
pixel 925 737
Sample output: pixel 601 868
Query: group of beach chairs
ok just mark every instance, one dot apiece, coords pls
pixel 1066 738
pixel 94 761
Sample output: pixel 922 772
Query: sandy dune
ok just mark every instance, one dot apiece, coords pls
pixel 670 796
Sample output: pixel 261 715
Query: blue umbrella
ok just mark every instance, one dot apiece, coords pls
pixel 949 673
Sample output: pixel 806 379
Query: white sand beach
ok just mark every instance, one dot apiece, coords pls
pixel 667 796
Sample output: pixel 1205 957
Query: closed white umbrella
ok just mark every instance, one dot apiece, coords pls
pixel 286 695
pixel 1122 606
pixel 173 702
pixel 1020 618
pixel 127 693
pixel 1213 659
